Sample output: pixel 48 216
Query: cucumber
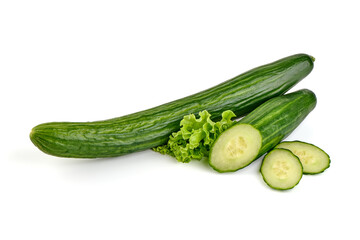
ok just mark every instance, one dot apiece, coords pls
pixel 313 158
pixel 150 128
pixel 260 131
pixel 281 169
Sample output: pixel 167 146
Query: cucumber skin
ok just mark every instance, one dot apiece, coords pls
pixel 276 188
pixel 288 111
pixel 150 128
pixel 307 173
pixel 276 119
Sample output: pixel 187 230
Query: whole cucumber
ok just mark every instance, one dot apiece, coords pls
pixel 150 128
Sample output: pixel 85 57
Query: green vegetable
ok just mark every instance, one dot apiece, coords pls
pixel 313 159
pixel 281 169
pixel 196 136
pixel 260 131
pixel 152 127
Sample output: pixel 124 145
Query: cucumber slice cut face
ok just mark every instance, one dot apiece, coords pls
pixel 313 159
pixel 235 148
pixel 281 169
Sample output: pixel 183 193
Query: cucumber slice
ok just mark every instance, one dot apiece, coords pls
pixel 313 158
pixel 236 149
pixel 281 169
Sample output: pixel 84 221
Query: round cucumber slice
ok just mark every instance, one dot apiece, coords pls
pixel 313 158
pixel 235 148
pixel 281 169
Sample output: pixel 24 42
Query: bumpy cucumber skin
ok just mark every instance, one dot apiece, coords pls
pixel 279 117
pixel 150 128
pixel 277 188
pixel 308 173
pixel 276 119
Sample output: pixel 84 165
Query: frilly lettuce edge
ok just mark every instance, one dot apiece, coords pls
pixel 196 136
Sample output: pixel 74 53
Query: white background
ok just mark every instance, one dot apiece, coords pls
pixel 92 60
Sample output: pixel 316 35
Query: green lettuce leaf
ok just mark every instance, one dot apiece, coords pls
pixel 196 136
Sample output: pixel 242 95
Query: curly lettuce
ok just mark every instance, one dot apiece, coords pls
pixel 196 136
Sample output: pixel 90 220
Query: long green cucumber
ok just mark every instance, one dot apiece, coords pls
pixel 260 131
pixel 150 128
